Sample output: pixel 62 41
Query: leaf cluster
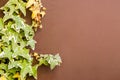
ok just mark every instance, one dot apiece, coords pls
pixel 16 40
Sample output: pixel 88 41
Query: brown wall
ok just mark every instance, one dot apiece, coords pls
pixel 86 33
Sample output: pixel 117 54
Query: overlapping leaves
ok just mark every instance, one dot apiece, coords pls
pixel 16 39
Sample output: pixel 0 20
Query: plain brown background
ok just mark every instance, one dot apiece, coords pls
pixel 86 33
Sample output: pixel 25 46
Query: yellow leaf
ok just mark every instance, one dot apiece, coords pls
pixel 41 26
pixel 3 78
pixel 30 3
pixel 42 13
pixel 17 75
pixel 34 13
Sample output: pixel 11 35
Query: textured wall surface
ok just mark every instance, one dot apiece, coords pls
pixel 86 33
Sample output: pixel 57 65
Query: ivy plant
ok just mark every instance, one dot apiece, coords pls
pixel 17 39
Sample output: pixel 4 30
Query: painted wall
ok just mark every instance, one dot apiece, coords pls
pixel 86 33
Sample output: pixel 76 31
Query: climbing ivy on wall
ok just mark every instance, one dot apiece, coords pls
pixel 16 40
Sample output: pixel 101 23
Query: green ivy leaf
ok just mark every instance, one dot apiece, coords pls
pixel 34 71
pixel 13 6
pixel 15 64
pixel 51 60
pixel 1 24
pixel 18 51
pixel 27 69
pixel 3 66
pixel 6 53
pixel 31 43
pixel 1 72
